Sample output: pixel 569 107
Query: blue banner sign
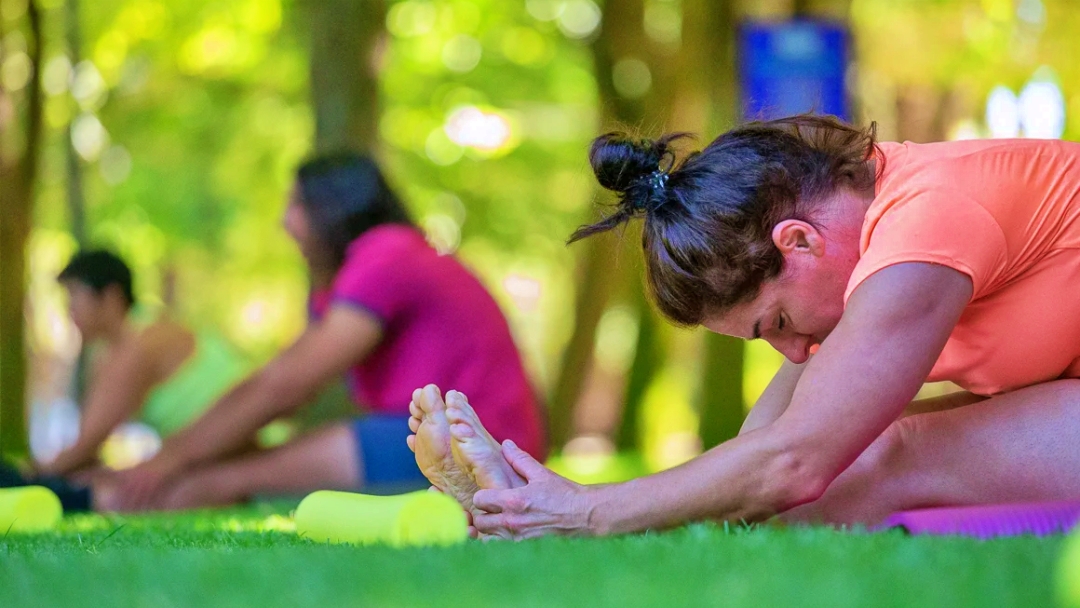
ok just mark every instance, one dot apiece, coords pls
pixel 793 67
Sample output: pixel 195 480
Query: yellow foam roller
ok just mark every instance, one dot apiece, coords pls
pixel 29 509
pixel 414 519
pixel 1068 571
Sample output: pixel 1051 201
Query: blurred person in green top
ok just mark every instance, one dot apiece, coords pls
pixel 159 372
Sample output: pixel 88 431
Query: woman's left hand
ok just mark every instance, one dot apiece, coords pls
pixel 547 504
pixel 141 487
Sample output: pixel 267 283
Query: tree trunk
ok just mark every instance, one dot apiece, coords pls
pixel 594 289
pixel 75 195
pixel 16 197
pixel 346 39
pixel 692 89
pixel 606 271
pixel 708 76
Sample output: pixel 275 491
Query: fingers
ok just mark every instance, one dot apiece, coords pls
pixel 489 501
pixel 523 463
pixel 490 527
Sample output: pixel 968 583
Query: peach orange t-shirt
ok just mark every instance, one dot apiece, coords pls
pixel 1007 214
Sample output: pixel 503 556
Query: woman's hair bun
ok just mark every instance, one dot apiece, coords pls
pixel 621 162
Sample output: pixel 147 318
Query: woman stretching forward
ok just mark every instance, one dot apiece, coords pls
pixel 873 267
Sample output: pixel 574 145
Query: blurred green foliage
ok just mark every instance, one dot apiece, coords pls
pixel 191 116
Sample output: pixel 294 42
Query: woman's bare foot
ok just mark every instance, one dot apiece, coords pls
pixel 475 450
pixel 432 446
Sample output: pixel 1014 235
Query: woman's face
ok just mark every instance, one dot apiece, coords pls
pixel 794 313
pixel 297 223
pixel 85 306
pixel 798 309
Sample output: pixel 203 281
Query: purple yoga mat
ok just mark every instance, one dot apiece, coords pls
pixel 988 521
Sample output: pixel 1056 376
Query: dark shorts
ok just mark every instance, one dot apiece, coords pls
pixel 388 465
pixel 73 498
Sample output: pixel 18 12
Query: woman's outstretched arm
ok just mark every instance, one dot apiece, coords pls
pixel 859 382
pixel 325 350
pixel 117 389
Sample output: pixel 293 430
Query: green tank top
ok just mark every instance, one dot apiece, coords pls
pixel 213 368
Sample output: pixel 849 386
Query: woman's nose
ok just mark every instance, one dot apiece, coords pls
pixel 794 348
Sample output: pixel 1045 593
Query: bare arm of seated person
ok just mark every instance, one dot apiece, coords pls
pixel 777 396
pixel 330 346
pixel 847 395
pixel 119 385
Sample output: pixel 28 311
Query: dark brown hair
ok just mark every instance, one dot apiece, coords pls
pixel 98 269
pixel 709 216
pixel 345 195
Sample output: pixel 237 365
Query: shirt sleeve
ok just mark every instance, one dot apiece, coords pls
pixel 374 280
pixel 940 227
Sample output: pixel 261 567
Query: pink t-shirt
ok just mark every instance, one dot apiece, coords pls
pixel 440 326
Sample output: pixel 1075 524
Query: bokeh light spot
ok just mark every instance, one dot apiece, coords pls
pixel 472 127
pixel 1003 113
pixel 631 77
pixel 461 53
pixel 579 18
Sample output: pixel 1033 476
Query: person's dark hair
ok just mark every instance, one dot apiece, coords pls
pixel 709 216
pixel 98 269
pixel 345 195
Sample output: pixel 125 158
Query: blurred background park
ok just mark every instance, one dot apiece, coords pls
pixel 169 131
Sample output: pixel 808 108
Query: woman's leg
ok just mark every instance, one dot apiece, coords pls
pixel 369 454
pixel 1017 447
pixel 324 459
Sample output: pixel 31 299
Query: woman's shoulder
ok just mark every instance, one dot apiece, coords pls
pixel 163 343
pixel 386 237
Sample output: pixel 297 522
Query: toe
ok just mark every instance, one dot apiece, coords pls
pixel 457 398
pixel 455 414
pixel 411 441
pixel 431 400
pixel 414 424
pixel 461 431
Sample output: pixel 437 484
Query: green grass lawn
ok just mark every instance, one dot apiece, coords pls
pixel 247 557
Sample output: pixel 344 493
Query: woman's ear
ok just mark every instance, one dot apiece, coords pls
pixel 796 236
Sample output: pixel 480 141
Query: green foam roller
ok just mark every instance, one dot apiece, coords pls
pixel 29 509
pixel 419 518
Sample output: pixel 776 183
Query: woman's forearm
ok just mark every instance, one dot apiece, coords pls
pixel 99 419
pixel 72 458
pixel 714 486
pixel 776 398
pixel 231 423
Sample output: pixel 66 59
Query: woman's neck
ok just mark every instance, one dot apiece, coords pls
pixel 114 329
